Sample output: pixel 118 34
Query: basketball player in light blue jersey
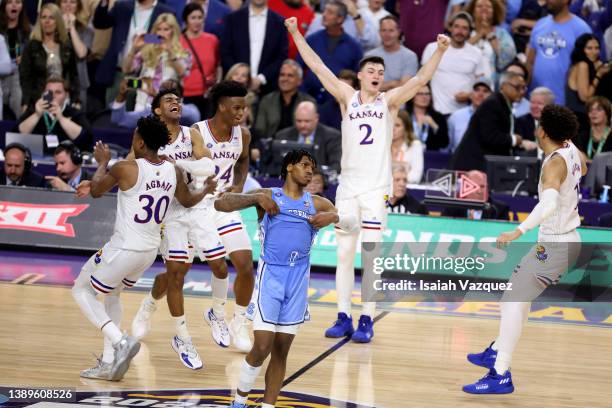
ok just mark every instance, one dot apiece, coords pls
pixel 289 220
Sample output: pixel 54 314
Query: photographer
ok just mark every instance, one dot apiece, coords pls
pixel 53 117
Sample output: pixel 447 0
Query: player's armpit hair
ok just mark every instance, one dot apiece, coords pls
pixel 545 208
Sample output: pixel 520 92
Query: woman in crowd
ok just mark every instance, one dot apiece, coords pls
pixel 155 59
pixel 49 53
pixel 596 139
pixel 406 149
pixel 428 124
pixel 495 42
pixel 204 48
pixel 584 75
pixel 15 27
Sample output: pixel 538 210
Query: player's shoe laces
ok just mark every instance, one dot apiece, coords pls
pixel 125 350
pixel 101 371
pixel 342 327
pixel 237 405
pixel 485 359
pixel 187 353
pixel 141 325
pixel 365 330
pixel 239 332
pixel 219 330
pixel 492 383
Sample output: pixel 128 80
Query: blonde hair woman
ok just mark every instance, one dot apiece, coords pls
pixel 157 62
pixel 49 53
pixel 240 72
pixel 406 149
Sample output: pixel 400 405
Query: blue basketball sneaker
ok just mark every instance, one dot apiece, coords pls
pixel 365 331
pixel 485 359
pixel 237 405
pixel 492 383
pixel 342 327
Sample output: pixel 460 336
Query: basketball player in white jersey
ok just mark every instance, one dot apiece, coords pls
pixel 556 251
pixel 183 229
pixel 146 187
pixel 365 181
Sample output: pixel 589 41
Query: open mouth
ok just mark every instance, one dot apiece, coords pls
pixel 375 83
pixel 174 109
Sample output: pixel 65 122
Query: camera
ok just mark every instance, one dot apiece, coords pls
pixel 134 83
pixel 48 97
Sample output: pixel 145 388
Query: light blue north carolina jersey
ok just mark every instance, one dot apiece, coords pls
pixel 287 237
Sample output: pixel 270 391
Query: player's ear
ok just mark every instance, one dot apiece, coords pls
pixel 157 111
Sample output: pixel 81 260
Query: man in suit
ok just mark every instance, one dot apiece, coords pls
pixel 527 124
pixel 253 35
pixel 17 169
pixel 326 141
pixel 491 128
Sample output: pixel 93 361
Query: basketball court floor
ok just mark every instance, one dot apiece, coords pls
pixel 417 358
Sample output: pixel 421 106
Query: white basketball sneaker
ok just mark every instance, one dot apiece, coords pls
pixel 219 330
pixel 187 353
pixel 141 325
pixel 239 333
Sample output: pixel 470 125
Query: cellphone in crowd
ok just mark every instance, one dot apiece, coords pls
pixel 134 83
pixel 48 96
pixel 152 39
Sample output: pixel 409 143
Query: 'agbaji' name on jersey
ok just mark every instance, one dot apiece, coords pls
pixel 365 114
pixel 155 184
pixel 224 154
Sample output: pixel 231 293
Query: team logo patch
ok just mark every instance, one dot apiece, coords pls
pixel 355 104
pixel 196 398
pixel 541 254
pixel 277 194
pixel 306 204
pixel 98 257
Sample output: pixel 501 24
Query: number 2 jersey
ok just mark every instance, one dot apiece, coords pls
pixel 367 131
pixel 142 208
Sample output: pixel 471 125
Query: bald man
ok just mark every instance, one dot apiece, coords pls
pixel 307 129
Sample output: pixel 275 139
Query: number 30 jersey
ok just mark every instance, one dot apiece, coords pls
pixel 367 131
pixel 142 208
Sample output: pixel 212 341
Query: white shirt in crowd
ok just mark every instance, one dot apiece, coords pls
pixel 412 159
pixel 374 16
pixel 257 35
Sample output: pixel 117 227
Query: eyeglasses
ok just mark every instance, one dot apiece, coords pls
pixel 517 87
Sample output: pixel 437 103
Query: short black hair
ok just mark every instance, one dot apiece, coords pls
pixel 559 123
pixel 190 8
pixel 372 60
pixel 157 98
pixel 293 157
pixel 153 131
pixel 226 89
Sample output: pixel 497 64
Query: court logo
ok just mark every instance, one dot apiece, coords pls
pixel 46 218
pixel 3 398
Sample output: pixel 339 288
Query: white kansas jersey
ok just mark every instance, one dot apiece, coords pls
pixel 224 154
pixel 367 131
pixel 142 208
pixel 565 219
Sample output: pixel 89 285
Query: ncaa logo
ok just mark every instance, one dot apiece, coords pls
pixel 209 145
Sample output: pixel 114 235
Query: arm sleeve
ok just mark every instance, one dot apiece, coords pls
pixel 545 208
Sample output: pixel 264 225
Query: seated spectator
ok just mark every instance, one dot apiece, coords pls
pixel 318 183
pixel 428 124
pixel 205 59
pixel 494 41
pixel 584 76
pixel 330 111
pixel 458 120
pixel 68 161
pixel 492 210
pixel 527 124
pixel 120 116
pixel 529 13
pixel 596 139
pixel 401 64
pixel 360 27
pixel 375 11
pixel 489 130
pixel 299 9
pixel 17 169
pixel 49 53
pixel 521 107
pixel 461 65
pixel 401 202
pixel 155 63
pixel 240 72
pixel 337 49
pixel 406 149
pixel 327 141
pixel 57 120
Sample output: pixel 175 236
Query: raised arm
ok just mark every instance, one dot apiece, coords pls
pixel 399 96
pixel 103 180
pixel 340 90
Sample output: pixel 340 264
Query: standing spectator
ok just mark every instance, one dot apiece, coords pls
pixel 128 19
pixel 461 65
pixel 400 63
pixel 551 44
pixel 527 124
pixel 458 121
pixel 214 14
pixel 205 60
pixel 276 108
pixel 15 27
pixel 406 149
pixel 337 49
pixel 375 11
pixel 5 67
pixel 530 12
pixel 494 41
pixel 521 107
pixel 49 53
pixel 491 128
pixel 421 21
pixel 81 37
pixel 255 35
pixel 70 173
pixel 294 8
pixel 428 124
pixel 596 139
pixel 17 169
pixel 584 75
pixel 361 28
pixel 330 111
pixel 157 62
pixel 401 202
pixel 598 15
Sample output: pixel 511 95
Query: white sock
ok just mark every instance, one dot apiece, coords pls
pixel 513 317
pixel 367 235
pixel 264 405
pixel 150 299
pixel 368 309
pixel 345 269
pixel 248 375
pixel 181 327
pixel 239 311
pixel 240 399
pixel 219 294
pixel 112 332
pixel 112 305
